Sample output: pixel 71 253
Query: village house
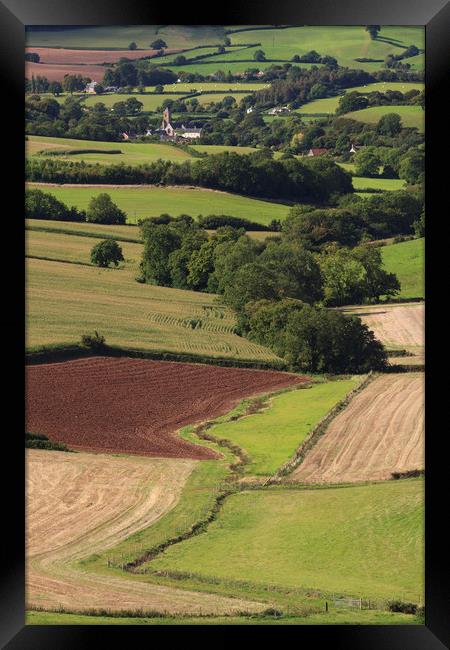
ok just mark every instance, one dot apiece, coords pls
pixel 90 87
pixel 317 151
pixel 355 148
pixel 279 110
pixel 169 132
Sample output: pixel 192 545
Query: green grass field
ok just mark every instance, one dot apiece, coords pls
pixel 133 153
pixel 412 116
pixel 407 261
pixel 150 101
pixel 147 201
pixel 65 301
pixel 364 540
pixel 388 184
pixel 271 436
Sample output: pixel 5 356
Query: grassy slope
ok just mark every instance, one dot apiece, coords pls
pixel 365 540
pixel 412 116
pixel 271 436
pixel 67 300
pixel 153 201
pixel 89 229
pixel 407 261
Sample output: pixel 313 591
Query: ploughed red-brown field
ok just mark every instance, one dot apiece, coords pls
pixel 56 72
pixel 65 56
pixel 136 406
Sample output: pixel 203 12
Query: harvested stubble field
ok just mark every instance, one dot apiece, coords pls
pixel 396 326
pixel 136 406
pixel 380 432
pixel 63 56
pixel 79 504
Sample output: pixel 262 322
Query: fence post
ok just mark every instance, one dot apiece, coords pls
pixel 326 606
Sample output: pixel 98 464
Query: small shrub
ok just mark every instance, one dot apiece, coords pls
pixel 404 608
pixel 94 341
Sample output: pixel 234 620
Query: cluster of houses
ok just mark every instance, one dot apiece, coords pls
pixel 167 132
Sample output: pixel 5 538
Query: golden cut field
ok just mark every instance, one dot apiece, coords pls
pixel 80 504
pixel 381 431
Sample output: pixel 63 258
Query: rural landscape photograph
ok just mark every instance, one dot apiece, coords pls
pixel 225 356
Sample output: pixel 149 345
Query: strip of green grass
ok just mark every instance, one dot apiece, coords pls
pixel 412 116
pixel 334 617
pixel 407 261
pixel 363 540
pixel 271 436
pixel 388 184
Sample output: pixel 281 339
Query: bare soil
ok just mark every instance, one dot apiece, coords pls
pixel 63 56
pixel 136 406
pixel 380 432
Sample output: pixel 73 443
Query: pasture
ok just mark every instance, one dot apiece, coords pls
pixel 412 116
pixel 271 436
pixel 407 261
pixel 100 231
pixel 132 153
pixel 208 86
pixel 149 201
pixel 361 183
pixel 380 432
pixel 65 301
pixel 363 540
pixel 151 101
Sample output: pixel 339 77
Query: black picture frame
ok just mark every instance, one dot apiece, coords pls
pixel 14 15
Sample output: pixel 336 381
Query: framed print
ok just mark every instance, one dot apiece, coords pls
pixel 226 409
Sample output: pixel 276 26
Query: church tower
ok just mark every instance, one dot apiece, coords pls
pixel 166 125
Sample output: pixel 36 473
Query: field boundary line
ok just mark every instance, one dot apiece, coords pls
pixel 316 433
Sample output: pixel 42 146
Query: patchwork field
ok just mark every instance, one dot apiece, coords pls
pixel 65 301
pixel 113 37
pixel 407 261
pixel 412 116
pixel 346 43
pixel 150 101
pixel 271 436
pixel 107 499
pixel 137 406
pixel 364 540
pixel 150 201
pixel 380 432
pixel 63 56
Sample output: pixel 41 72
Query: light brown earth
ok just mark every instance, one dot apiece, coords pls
pixel 81 504
pixel 56 72
pixel 396 326
pixel 381 431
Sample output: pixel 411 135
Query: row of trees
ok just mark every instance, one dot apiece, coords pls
pixel 356 101
pixel 312 180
